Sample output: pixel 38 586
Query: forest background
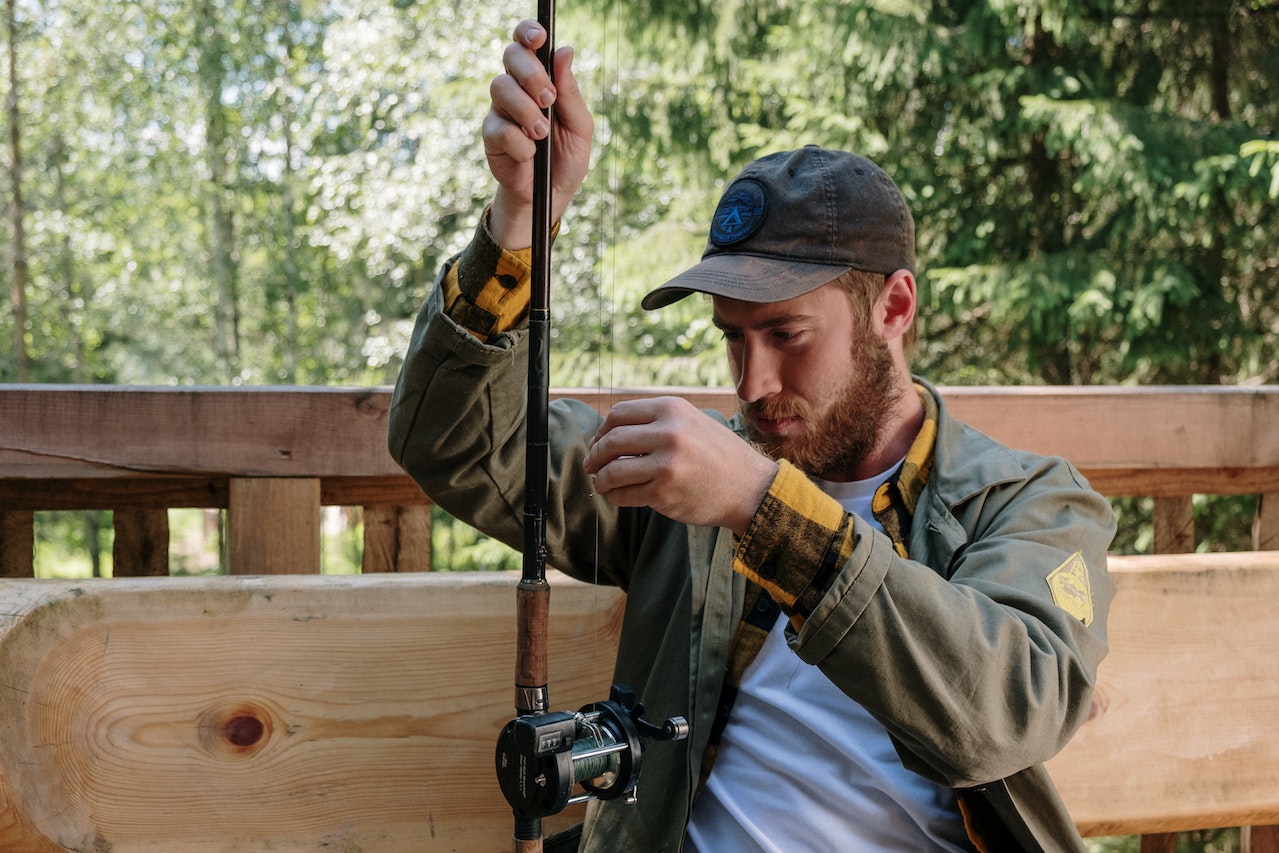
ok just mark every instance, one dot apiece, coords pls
pixel 227 192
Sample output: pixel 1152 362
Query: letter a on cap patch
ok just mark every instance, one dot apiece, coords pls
pixel 1071 589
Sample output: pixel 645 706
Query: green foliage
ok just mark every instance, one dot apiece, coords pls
pixel 219 191
pixel 458 547
pixel 1199 841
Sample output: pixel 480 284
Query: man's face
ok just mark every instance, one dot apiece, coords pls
pixel 815 386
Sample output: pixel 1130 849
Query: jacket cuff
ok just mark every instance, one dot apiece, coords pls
pixel 486 292
pixel 796 543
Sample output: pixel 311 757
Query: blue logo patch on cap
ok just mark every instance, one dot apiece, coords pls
pixel 739 215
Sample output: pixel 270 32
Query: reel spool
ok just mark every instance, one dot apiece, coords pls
pixel 540 757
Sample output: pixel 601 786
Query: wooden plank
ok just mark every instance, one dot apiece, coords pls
pixel 70 431
pixel 397 490
pixel 184 715
pixel 139 492
pixel 1174 482
pixel 165 492
pixel 397 539
pixel 158 492
pixel 1185 729
pixel 141 547
pixel 97 431
pixel 17 544
pixel 273 526
pixel 1186 427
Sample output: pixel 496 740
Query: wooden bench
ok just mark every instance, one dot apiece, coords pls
pixel 360 713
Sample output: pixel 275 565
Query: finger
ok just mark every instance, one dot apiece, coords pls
pixel 527 69
pixel 571 110
pixel 530 33
pixel 628 413
pixel 621 443
pixel 626 473
pixel 513 105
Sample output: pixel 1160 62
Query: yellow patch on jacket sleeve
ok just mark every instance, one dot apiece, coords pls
pixel 1071 589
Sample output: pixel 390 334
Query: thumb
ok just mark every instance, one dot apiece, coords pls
pixel 570 107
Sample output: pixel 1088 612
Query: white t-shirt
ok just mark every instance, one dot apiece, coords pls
pixel 802 767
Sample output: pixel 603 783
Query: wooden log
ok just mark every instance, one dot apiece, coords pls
pixel 17 544
pixel 1184 733
pixel 273 526
pixel 165 715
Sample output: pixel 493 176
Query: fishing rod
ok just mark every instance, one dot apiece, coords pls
pixel 542 755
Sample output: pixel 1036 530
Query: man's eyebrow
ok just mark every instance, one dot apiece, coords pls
pixel 768 323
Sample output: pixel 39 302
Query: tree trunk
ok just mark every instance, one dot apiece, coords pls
pixel 222 260
pixel 18 285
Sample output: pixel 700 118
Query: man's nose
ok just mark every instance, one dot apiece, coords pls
pixel 757 374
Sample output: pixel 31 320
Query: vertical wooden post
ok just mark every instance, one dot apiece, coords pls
pixel 1265 524
pixel 17 544
pixel 1265 537
pixel 397 538
pixel 273 526
pixel 1261 839
pixel 1174 523
pixel 141 547
pixel 1160 842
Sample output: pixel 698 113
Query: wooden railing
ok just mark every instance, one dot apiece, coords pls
pixel 272 457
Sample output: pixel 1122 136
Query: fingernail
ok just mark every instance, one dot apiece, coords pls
pixel 540 129
pixel 545 98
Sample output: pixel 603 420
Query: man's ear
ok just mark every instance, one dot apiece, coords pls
pixel 895 308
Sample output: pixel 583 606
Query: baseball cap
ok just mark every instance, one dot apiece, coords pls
pixel 792 221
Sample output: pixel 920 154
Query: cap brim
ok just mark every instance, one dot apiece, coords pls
pixel 750 278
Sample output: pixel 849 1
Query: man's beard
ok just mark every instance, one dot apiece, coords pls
pixel 837 440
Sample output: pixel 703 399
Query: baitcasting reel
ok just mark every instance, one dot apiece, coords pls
pixel 541 756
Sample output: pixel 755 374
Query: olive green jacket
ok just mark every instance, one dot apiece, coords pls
pixel 962 651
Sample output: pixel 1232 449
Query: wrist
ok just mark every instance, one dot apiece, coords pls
pixel 762 474
pixel 510 223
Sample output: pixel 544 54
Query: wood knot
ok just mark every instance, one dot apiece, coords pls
pixel 237 730
pixel 243 731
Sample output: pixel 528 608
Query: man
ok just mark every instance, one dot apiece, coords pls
pixel 878 621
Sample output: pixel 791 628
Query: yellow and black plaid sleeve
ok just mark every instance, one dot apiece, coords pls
pixel 486 292
pixel 796 544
